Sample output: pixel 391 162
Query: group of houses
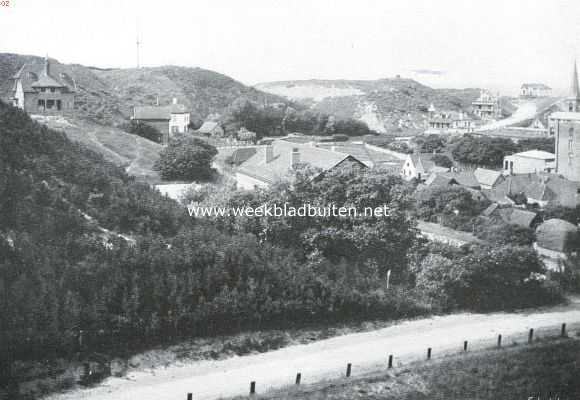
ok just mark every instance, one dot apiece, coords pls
pixel 485 108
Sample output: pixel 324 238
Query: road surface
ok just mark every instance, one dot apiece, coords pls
pixel 327 359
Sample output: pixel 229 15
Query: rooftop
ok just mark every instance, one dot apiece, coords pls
pixel 280 165
pixel 556 234
pixel 158 112
pixel 536 154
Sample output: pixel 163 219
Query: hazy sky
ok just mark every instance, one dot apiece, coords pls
pixel 486 43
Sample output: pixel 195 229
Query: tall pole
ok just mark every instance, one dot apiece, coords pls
pixel 138 43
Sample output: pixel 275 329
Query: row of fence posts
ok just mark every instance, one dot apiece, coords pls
pixel 390 359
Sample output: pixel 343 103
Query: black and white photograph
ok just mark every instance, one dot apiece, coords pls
pixel 289 200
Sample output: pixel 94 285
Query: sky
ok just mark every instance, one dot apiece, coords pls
pixel 443 43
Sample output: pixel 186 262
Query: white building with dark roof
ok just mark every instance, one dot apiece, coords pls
pixel 169 119
pixel 530 161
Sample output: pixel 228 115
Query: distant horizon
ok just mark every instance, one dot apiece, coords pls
pixel 446 44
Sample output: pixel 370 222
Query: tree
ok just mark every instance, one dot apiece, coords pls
pixel 483 151
pixel 503 234
pixel 442 160
pixel 186 159
pixel 144 130
pixel 430 143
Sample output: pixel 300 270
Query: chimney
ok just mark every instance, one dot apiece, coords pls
pixel 175 100
pixel 269 153
pixel 295 157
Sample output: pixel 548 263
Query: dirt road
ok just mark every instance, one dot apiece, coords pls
pixel 327 359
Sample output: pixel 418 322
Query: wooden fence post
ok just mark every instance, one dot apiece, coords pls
pixel 189 396
pixel 390 361
pixel 531 335
pixel 465 345
pixel 429 353
pixel 563 334
pixel 499 340
pixel 253 387
pixel 298 378
pixel 348 370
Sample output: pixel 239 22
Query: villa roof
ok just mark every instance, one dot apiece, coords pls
pixel 36 74
pixel 280 166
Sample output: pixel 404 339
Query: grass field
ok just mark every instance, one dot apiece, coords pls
pixel 135 154
pixel 545 370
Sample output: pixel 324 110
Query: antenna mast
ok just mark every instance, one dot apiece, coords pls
pixel 138 44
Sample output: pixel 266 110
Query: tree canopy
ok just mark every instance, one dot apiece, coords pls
pixel 186 158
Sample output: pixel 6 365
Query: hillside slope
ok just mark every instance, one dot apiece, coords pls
pixel 107 96
pixel 385 104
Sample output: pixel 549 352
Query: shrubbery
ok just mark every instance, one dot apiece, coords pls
pixel 186 159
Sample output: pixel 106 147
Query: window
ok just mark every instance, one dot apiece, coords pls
pixel 43 90
pixel 52 90
pixel 49 103
pixel 41 104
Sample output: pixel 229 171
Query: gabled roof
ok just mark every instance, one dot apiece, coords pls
pixel 422 161
pixel 361 152
pixel 208 127
pixel 158 112
pixel 280 166
pixel 241 155
pixel 516 216
pixel 487 177
pixel 34 74
pixel 556 234
pixel 464 178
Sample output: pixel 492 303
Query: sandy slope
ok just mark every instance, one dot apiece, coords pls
pixel 325 359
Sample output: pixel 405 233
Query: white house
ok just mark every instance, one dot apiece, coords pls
pixel 420 166
pixel 535 90
pixel 529 161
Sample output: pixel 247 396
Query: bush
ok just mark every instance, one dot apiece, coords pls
pixel 186 159
pixel 442 161
pixel 144 130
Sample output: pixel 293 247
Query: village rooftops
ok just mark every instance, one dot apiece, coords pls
pixel 487 177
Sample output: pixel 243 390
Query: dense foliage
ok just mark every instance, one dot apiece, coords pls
pixel 186 158
pixel 144 130
pixel 483 151
pixel 490 151
pixel 276 120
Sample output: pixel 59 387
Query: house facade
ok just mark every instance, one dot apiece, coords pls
pixel 535 90
pixel 487 106
pixel 531 161
pixel 38 89
pixel 168 120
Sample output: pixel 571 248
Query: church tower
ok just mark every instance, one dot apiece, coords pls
pixel 573 102
pixel 566 128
